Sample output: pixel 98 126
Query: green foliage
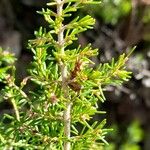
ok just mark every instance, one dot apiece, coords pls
pixel 57 114
pixel 134 135
pixel 6 61
pixel 146 18
pixel 111 11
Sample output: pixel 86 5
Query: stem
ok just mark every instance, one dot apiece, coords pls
pixel 16 109
pixel 63 67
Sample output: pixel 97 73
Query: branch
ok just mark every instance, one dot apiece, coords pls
pixel 63 67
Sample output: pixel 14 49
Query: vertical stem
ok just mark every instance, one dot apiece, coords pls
pixel 16 109
pixel 63 67
pixel 67 122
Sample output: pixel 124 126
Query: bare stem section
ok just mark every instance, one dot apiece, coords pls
pixel 16 109
pixel 67 117
pixel 67 122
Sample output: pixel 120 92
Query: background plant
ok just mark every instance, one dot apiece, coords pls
pixel 57 113
pixel 132 137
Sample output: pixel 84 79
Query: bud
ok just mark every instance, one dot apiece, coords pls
pixel 53 98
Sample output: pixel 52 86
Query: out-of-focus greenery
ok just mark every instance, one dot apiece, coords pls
pixel 6 61
pixel 133 136
pixel 110 11
pixel 146 18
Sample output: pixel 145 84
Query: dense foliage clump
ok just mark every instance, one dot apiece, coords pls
pixel 56 113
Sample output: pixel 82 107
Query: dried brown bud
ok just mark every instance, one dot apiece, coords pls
pixel 53 98
pixel 76 69
pixel 75 86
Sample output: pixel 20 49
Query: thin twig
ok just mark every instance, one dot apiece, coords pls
pixel 16 109
pixel 66 115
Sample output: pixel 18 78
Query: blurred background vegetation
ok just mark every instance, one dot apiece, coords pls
pixel 120 25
